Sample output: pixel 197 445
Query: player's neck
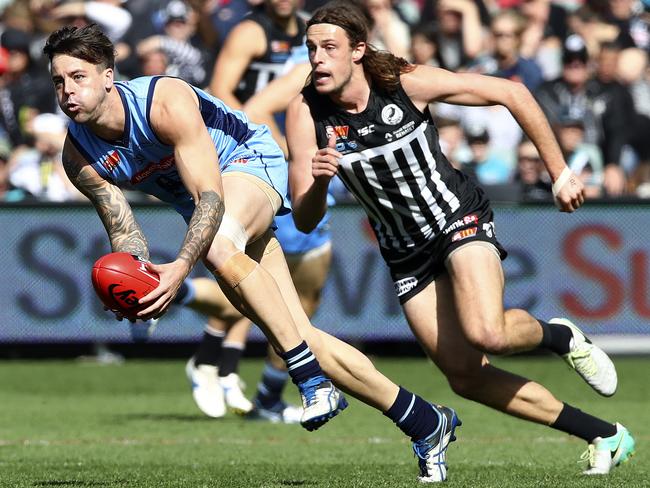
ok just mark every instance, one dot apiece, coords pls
pixel 355 95
pixel 109 122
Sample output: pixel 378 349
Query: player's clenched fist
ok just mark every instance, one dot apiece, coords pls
pixel 325 162
pixel 568 191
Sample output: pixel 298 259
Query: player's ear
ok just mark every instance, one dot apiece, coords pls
pixel 358 51
pixel 108 78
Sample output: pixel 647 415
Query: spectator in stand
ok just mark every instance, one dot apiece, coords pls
pixel 546 29
pixel 632 23
pixel 505 133
pixel 113 19
pixel 39 171
pixel 389 32
pixel 460 33
pixel 631 71
pixel 506 28
pixel 484 167
pixel 589 24
pixel 153 63
pixel 185 60
pixel 584 159
pixel 452 140
pixel 24 90
pixel 424 49
pixel 622 123
pixel 530 174
pixel 604 105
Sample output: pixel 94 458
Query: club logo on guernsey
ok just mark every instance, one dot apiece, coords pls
pixel 391 114
pixel 110 161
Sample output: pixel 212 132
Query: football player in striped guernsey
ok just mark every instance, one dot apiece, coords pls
pixel 364 117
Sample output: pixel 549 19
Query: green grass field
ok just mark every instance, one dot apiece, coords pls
pixel 70 424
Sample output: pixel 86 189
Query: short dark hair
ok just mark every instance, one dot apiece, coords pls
pixel 88 43
pixel 383 67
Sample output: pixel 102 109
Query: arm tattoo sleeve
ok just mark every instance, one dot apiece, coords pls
pixel 113 209
pixel 202 227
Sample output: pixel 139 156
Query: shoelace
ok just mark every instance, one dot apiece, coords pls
pixel 588 365
pixel 589 456
pixel 308 389
pixel 422 447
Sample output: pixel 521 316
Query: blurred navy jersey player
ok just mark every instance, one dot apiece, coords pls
pixel 364 117
pixel 241 251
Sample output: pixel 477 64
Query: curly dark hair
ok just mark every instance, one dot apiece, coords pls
pixel 383 67
pixel 88 43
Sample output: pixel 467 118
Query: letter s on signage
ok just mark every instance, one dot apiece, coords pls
pixel 613 287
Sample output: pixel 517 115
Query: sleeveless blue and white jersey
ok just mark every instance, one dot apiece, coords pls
pixel 140 161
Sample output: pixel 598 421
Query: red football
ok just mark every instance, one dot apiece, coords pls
pixel 120 280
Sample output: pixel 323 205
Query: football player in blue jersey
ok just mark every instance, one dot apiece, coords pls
pixel 364 117
pixel 176 142
pixel 227 178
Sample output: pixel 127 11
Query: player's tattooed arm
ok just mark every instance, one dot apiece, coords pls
pixel 202 228
pixel 114 210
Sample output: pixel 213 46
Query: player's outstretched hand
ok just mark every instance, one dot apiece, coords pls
pixel 325 163
pixel 171 276
pixel 568 191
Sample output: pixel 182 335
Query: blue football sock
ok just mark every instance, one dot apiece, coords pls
pixel 270 387
pixel 413 415
pixel 301 363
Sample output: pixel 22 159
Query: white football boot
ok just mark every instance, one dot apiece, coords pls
pixel 206 388
pixel 431 451
pixel 232 389
pixel 589 361
pixel 603 454
pixel 321 401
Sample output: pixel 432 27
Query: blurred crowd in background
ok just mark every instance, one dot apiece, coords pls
pixel 586 62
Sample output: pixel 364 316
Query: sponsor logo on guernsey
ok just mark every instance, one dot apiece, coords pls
pixel 151 168
pixel 464 234
pixel 340 131
pixel 239 161
pixel 405 285
pixel 110 161
pixel 367 130
pixel 391 114
pixel 467 220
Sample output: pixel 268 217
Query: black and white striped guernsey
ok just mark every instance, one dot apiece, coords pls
pixel 393 165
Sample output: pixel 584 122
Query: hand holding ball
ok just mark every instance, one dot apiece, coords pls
pixel 120 280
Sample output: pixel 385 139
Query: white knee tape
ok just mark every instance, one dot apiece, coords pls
pixel 231 229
